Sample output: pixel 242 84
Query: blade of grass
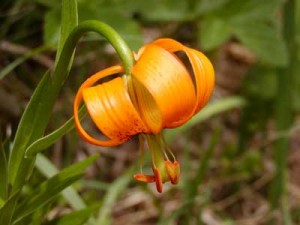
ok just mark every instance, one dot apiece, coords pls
pixel 69 20
pixel 46 141
pixel 203 166
pixel 79 217
pixel 6 70
pixel 191 186
pixel 46 191
pixel 4 174
pixel 283 108
pixel 207 112
pixel 287 218
pixel 94 185
pixel 48 169
pixel 31 127
pixel 7 210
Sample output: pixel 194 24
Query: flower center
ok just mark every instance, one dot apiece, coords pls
pixel 163 168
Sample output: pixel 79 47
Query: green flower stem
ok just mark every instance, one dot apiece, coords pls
pixel 103 29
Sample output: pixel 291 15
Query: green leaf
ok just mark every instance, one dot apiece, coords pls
pixel 51 27
pixel 46 141
pixel 256 82
pixel 69 20
pixel 191 184
pixel 296 88
pixel 194 183
pixel 10 67
pixel 250 10
pixel 252 23
pixel 4 174
pixel 116 18
pixel 48 169
pixel 160 10
pixel 78 217
pixel 207 6
pixel 31 127
pixel 208 111
pixel 52 187
pixel 264 41
pixel 213 33
pixel 131 32
pixel 38 111
pixel 168 10
pixel 57 26
pixel 7 210
pixel 37 217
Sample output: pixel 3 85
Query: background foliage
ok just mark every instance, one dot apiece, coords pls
pixel 240 154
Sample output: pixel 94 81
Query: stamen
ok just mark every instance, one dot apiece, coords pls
pixel 162 147
pixel 142 150
pixel 158 180
pixel 166 146
pixel 144 178
pixel 153 149
pixel 164 170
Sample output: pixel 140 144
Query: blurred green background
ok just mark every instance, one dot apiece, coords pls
pixel 240 155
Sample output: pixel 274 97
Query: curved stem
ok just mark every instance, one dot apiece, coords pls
pixel 122 49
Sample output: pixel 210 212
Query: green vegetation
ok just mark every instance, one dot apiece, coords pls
pixel 239 155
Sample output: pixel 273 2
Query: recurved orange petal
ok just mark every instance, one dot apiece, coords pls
pixel 164 76
pixel 202 69
pixel 110 108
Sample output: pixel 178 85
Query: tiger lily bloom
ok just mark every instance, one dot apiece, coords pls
pixel 159 93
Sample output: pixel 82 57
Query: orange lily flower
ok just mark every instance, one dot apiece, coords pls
pixel 160 93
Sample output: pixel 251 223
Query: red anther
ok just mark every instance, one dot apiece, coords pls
pixel 158 180
pixel 144 178
pixel 173 170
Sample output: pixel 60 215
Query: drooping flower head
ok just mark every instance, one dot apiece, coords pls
pixel 159 93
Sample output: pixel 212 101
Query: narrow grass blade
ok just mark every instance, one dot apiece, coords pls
pixel 48 169
pixel 69 20
pixel 287 217
pixel 46 141
pixel 283 107
pixel 51 188
pixel 31 127
pixel 207 112
pixel 79 217
pixel 4 174
pixel 7 210
pixel 10 67
pixel 203 166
